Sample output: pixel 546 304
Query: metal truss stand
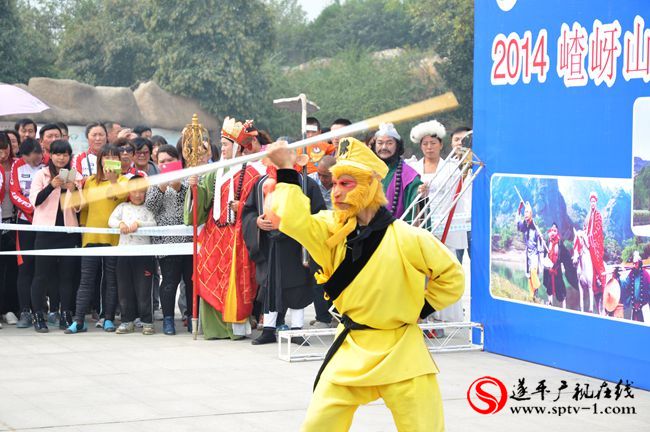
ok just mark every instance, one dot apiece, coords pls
pixel 439 337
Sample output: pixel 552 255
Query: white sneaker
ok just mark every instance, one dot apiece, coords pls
pixel 100 323
pixel 158 315
pixel 10 318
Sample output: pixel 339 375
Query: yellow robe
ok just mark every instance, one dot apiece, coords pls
pixel 387 295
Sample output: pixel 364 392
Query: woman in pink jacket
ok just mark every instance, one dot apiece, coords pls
pixel 50 192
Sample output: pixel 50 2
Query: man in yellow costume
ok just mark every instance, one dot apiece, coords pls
pixel 374 270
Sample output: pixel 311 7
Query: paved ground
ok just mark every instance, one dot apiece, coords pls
pixel 107 382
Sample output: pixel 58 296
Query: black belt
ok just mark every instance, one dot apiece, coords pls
pixel 348 324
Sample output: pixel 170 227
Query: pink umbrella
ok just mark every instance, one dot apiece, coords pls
pixel 14 100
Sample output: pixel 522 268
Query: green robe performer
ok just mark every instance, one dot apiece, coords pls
pixel 401 183
pixel 226 274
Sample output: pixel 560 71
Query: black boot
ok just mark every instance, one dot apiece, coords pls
pixel 267 337
pixel 299 340
pixel 66 320
pixel 40 325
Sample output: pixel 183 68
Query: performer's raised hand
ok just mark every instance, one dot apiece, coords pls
pixel 193 180
pixel 280 155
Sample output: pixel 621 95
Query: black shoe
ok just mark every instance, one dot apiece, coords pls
pixel 299 340
pixel 40 325
pixel 267 337
pixel 66 320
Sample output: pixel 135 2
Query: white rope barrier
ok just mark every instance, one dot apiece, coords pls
pixel 162 231
pixel 136 250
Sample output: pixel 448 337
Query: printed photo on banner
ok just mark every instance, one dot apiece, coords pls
pixel 566 243
pixel 641 167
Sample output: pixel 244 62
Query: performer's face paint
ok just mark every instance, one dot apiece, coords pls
pixel 593 202
pixel 344 198
pixel 385 146
pixel 552 233
pixel 255 146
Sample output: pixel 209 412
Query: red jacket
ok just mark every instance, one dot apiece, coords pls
pixel 20 183
pixel 85 163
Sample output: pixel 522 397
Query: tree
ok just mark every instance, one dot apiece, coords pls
pixel 371 24
pixel 213 51
pixel 105 42
pixel 447 27
pixel 642 189
pixel 353 85
pixel 9 42
pixel 290 26
pixel 26 42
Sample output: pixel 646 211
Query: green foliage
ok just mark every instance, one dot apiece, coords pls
pixel 232 55
pixel 212 51
pixel 290 27
pixel 579 213
pixel 352 85
pixel 613 251
pixel 26 42
pixel 9 42
pixel 447 27
pixel 635 244
pixel 642 189
pixel 105 42
pixel 371 24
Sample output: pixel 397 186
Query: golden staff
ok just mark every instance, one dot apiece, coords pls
pixel 436 105
pixel 195 141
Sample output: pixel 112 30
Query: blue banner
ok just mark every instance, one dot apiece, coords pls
pixel 560 252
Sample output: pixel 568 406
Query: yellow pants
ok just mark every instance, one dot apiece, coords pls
pixel 416 405
pixel 533 281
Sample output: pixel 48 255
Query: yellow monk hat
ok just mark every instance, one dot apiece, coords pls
pixel 352 152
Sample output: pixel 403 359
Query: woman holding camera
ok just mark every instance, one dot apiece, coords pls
pixel 51 192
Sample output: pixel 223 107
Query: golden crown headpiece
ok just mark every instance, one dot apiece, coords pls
pixel 238 132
